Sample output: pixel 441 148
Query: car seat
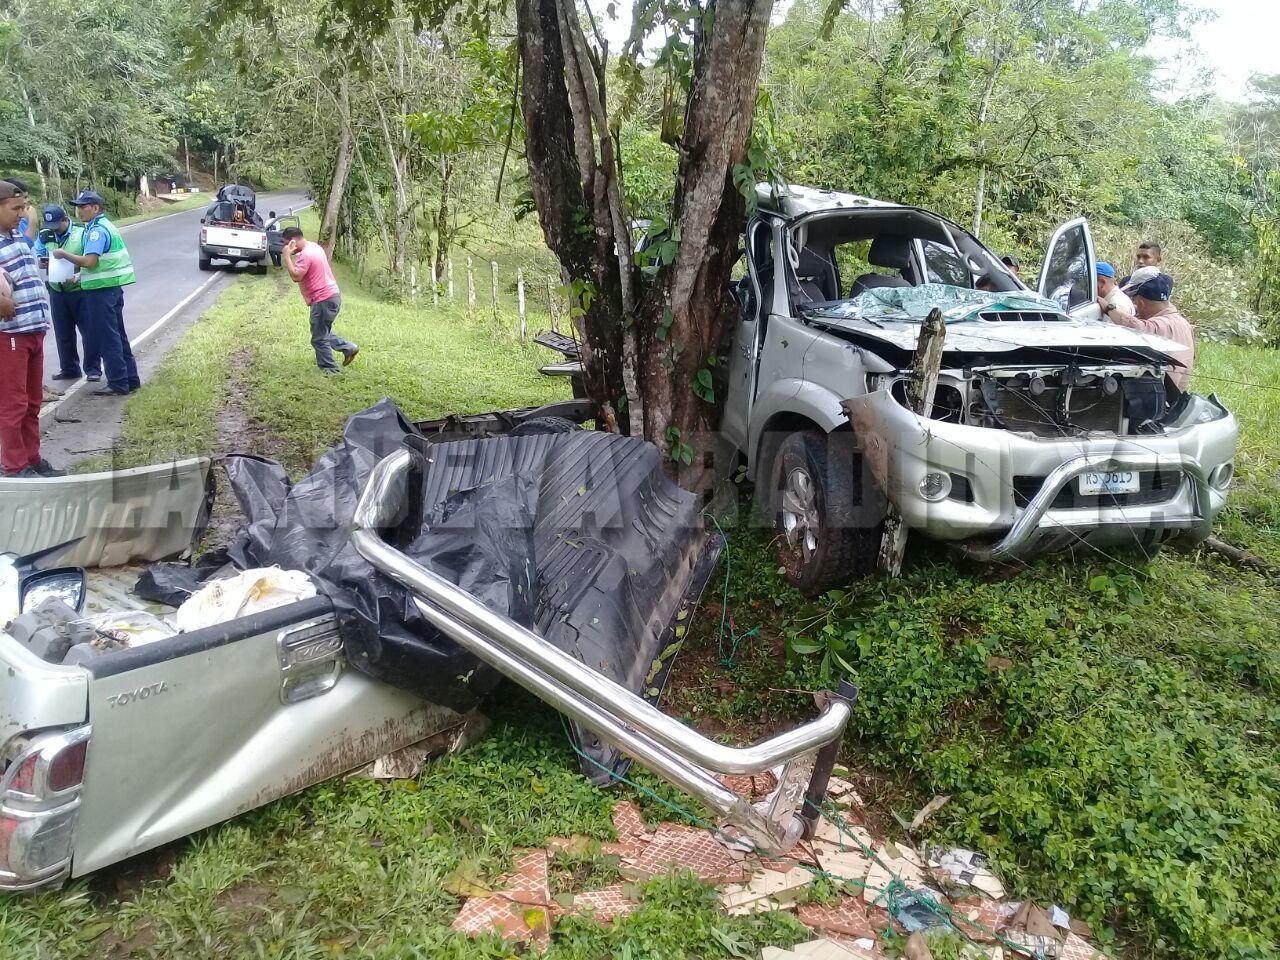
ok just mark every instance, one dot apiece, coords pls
pixel 889 250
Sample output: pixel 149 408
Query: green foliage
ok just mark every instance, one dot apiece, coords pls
pixel 1214 294
pixel 1104 761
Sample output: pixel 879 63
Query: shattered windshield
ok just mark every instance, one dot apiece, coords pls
pixel 912 304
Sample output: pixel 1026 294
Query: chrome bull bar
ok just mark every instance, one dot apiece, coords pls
pixel 1032 520
pixel 673 751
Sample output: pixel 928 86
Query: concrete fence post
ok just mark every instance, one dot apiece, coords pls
pixel 551 306
pixel 524 328
pixel 471 290
pixel 493 277
pixel 448 268
pixel 435 282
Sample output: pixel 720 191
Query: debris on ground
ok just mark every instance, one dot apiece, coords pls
pixel 887 889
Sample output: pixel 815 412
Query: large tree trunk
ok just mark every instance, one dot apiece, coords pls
pixel 444 229
pixel 709 211
pixel 563 177
pixel 577 186
pixel 341 169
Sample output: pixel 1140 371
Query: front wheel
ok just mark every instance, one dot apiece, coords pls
pixel 827 536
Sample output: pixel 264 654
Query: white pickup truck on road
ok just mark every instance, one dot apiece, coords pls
pixel 232 230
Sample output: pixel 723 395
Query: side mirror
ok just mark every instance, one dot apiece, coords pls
pixel 64 583
pixel 203 220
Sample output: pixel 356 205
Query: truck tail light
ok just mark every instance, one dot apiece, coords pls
pixel 66 770
pixel 39 808
pixel 204 235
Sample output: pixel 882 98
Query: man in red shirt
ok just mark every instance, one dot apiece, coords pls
pixel 308 264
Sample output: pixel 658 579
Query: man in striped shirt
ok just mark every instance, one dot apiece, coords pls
pixel 24 318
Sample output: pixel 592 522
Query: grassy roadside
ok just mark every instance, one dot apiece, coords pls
pixel 357 868
pixel 1106 727
pixel 190 203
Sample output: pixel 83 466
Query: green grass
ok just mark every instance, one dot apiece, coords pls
pixel 1105 726
pixel 430 359
pixel 1108 727
pixel 358 868
pixel 189 203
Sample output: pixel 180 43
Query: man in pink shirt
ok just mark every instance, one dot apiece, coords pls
pixel 308 264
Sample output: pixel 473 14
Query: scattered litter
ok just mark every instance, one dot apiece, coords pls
pixel 919 911
pixel 407 762
pixel 965 868
pixel 889 892
pixel 767 890
pixel 847 918
pixel 825 949
pixel 253 591
pixel 842 793
pixel 927 811
pixel 133 628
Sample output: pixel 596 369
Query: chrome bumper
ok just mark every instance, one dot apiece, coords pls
pixel 673 751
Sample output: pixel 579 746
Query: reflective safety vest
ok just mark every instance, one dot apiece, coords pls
pixel 74 243
pixel 114 268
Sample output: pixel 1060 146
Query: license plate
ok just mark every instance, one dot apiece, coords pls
pixel 233 252
pixel 1117 481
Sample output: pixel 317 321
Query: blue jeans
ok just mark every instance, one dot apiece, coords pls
pixel 104 312
pixel 68 318
pixel 323 339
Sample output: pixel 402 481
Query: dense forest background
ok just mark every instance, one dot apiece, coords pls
pixel 1009 116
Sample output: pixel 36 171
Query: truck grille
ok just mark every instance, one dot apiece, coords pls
pixel 1025 316
pixel 1156 486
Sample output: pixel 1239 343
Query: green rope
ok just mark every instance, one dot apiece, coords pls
pixel 893 894
pixel 727 660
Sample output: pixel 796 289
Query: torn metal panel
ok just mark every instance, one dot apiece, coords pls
pixel 143 513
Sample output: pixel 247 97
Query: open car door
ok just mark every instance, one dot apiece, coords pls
pixel 1069 274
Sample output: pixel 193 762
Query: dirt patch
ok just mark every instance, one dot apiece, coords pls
pixel 238 433
pixel 125 880
pixel 114 946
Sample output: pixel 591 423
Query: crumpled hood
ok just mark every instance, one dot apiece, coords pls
pixel 893 316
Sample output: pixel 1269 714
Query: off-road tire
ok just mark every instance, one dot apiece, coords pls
pixel 844 551
pixel 539 425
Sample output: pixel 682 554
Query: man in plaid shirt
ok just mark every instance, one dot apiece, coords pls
pixel 24 318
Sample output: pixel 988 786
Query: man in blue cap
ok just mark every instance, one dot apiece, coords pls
pixel 1110 296
pixel 105 270
pixel 1155 313
pixel 57 232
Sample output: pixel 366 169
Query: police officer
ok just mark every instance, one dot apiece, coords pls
pixel 105 270
pixel 57 232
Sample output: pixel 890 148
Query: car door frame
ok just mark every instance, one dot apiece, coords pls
pixel 1088 310
pixel 744 355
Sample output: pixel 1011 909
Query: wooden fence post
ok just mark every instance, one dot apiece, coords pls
pixel 471 290
pixel 435 282
pixel 551 306
pixel 448 267
pixel 920 390
pixel 493 276
pixel 524 329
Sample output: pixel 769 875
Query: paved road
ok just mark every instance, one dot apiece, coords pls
pixel 164 258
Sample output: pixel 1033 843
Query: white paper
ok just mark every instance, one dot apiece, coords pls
pixel 60 271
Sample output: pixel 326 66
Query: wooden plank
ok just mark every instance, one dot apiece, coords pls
pixel 920 390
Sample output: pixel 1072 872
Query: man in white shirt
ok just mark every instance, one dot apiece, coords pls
pixel 1110 296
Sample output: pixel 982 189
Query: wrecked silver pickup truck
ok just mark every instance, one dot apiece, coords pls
pixel 1049 428
pixel 446 556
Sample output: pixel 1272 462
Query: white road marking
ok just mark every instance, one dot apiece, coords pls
pixel 141 338
pixel 136 342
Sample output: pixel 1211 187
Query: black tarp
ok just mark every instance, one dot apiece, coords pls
pixel 579 536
